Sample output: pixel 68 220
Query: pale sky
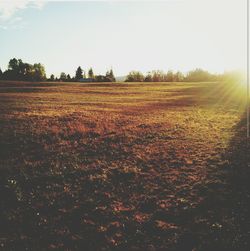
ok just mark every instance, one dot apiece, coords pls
pixel 132 35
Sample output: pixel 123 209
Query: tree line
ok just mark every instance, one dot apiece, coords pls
pixel 21 71
pixel 81 75
pixel 196 75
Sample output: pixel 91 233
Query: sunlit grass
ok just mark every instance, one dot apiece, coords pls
pixel 126 153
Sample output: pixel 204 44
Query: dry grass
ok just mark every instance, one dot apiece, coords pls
pixel 111 166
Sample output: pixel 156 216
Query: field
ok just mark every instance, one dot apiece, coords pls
pixel 123 166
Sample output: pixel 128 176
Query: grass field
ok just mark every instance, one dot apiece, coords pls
pixel 123 166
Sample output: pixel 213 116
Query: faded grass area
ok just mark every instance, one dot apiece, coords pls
pixel 115 166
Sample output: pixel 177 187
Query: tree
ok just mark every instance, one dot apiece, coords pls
pixel 101 78
pixel 52 77
pixel 84 74
pixel 68 78
pixel 91 73
pixel 110 76
pixel 148 78
pixel 134 76
pixel 18 70
pixel 78 74
pixel 198 75
pixel 39 72
pixel 178 76
pixel 13 72
pixel 63 76
pixel 169 76
pixel 13 64
pixel 158 76
pixel 26 71
pixel 1 73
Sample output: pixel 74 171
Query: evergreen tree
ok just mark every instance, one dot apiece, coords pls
pixel 91 73
pixel 68 78
pixel 110 76
pixel 78 73
pixel 52 77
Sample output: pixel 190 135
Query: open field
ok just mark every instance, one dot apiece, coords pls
pixel 123 166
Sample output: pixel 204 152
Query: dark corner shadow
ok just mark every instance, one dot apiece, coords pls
pixel 236 172
pixel 222 222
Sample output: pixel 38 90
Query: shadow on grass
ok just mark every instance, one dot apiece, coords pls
pixel 222 221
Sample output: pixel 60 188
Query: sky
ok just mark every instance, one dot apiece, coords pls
pixel 125 35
